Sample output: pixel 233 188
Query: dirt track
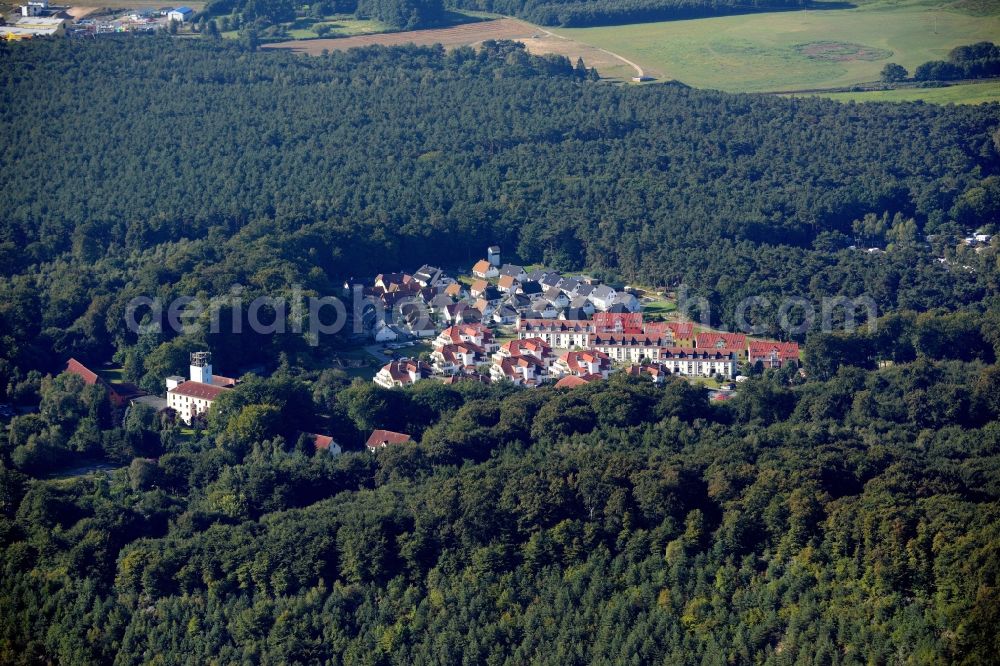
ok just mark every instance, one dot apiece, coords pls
pixel 536 40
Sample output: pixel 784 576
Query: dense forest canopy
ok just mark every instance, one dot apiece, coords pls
pixel 156 167
pixel 852 520
pixel 256 14
pixel 844 515
pixel 975 61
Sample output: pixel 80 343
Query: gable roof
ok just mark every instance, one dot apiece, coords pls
pixel 569 284
pixel 89 377
pixel 118 392
pixel 381 438
pixel 574 314
pixel 681 330
pixel 427 273
pixel 506 281
pixel 198 390
pixel 531 287
pixel 571 381
pixel 400 369
pixel 608 322
pixel 321 442
pixel 537 274
pixel 482 266
pixel 491 294
pixel 721 341
pixel 786 351
pixel 512 270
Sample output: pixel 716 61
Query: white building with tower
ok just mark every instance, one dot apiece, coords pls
pixel 493 255
pixel 195 396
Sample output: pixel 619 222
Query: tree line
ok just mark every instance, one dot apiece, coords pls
pixel 975 61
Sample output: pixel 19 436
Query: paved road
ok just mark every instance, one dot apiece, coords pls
pixel 376 351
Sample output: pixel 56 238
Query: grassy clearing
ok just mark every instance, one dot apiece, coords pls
pixel 112 375
pixel 971 93
pixel 340 26
pixel 798 50
pixel 658 309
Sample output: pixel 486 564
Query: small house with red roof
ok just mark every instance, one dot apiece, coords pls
pixel 324 443
pixel 119 394
pixel 379 439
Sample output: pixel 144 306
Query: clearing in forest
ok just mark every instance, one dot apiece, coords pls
pixel 842 45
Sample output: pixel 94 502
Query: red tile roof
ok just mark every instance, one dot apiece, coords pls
pixel 578 362
pixel 89 377
pixel 118 393
pixel 571 381
pixel 535 347
pixel 737 341
pixel 785 351
pixel 198 390
pixel 219 380
pixel 381 438
pixel 322 442
pixel 680 330
pixel 481 266
pixel 621 322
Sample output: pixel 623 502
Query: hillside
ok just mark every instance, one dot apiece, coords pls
pixel 659 185
pixel 848 520
pixel 845 511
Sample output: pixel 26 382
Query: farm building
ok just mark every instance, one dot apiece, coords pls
pixel 181 14
pixel 34 26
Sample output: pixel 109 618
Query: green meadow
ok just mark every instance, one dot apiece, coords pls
pixel 972 93
pixel 798 50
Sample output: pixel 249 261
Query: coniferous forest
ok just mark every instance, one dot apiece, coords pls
pixel 847 514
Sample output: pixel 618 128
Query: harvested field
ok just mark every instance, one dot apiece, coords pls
pixel 537 41
pixel 77 13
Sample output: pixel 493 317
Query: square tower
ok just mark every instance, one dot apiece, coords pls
pixel 201 367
